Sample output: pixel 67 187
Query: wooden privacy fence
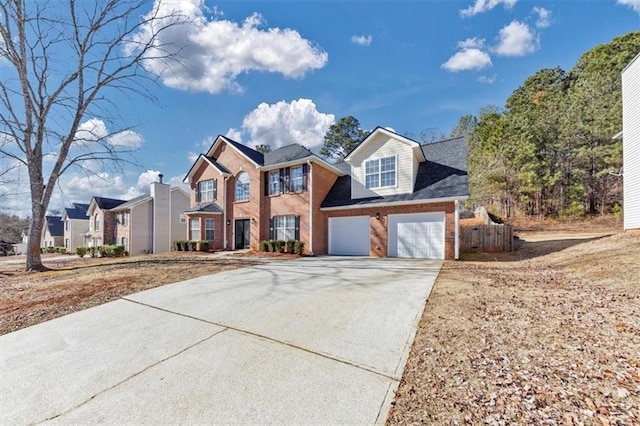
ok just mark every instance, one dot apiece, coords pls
pixel 490 238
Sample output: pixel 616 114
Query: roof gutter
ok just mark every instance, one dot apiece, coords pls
pixel 395 203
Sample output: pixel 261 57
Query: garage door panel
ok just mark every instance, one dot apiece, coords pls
pixel 349 236
pixel 416 235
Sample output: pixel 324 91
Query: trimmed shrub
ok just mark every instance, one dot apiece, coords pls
pixel 118 251
pixel 271 245
pixel 81 251
pixel 289 246
pixel 298 247
pixel 10 253
pixel 263 246
pixel 191 245
pixel 175 246
pixel 203 245
pixel 103 251
pixel 93 251
pixel 279 246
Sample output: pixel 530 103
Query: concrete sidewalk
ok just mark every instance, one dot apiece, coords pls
pixel 316 340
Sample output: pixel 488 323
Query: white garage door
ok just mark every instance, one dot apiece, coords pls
pixel 349 236
pixel 417 235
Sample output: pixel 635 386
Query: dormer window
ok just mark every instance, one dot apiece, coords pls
pixel 380 172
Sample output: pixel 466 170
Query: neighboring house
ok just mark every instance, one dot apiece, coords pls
pixel 151 222
pixel 390 197
pixel 101 221
pixel 631 144
pixel 76 225
pixel 52 232
pixel 21 247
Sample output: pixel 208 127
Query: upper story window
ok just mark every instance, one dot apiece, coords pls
pixel 292 179
pixel 96 222
pixel 380 173
pixel 242 186
pixel 66 225
pixel 122 218
pixel 275 182
pixel 206 190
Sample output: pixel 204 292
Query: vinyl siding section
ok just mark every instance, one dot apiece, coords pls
pixel 75 234
pixel 631 144
pixel 179 203
pixel 140 229
pixel 379 147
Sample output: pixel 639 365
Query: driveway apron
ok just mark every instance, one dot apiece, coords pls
pixel 314 341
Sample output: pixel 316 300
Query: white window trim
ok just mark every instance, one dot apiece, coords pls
pixel 301 178
pixel 379 173
pixel 208 221
pixel 273 183
pixel 248 183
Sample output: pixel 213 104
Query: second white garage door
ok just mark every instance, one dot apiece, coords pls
pixel 349 236
pixel 417 235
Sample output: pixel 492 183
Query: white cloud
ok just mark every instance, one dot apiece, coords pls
pixel 472 43
pixel 211 53
pixel 468 59
pixel 485 79
pixel 147 178
pixel 94 130
pixel 516 39
pixel 126 139
pixel 177 181
pixel 633 4
pixel 544 16
pixel 285 123
pixel 481 6
pixel 362 40
pixel 234 134
pixel 192 156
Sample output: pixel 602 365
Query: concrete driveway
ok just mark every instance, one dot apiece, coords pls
pixel 315 340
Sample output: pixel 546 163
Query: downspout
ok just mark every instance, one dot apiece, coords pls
pixel 457 225
pixel 310 175
pixel 224 213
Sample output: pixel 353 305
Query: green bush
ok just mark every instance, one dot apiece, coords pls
pixel 93 251
pixel 11 253
pixel 279 246
pixel 298 247
pixel 103 251
pixel 203 245
pixel 192 245
pixel 263 246
pixel 289 246
pixel 271 245
pixel 81 251
pixel 176 246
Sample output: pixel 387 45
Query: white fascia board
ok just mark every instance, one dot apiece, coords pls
pixel 197 163
pixel 201 213
pixel 310 158
pixel 220 139
pixel 395 203
pixel 410 142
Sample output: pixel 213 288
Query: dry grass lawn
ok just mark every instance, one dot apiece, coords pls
pixel 549 334
pixel 74 284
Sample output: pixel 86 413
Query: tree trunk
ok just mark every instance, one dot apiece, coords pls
pixel 34 259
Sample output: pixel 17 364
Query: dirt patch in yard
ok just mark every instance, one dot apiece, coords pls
pixel 549 334
pixel 75 284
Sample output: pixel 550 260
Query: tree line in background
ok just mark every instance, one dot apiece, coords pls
pixel 550 152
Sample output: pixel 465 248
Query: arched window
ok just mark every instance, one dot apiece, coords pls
pixel 242 186
pixel 96 222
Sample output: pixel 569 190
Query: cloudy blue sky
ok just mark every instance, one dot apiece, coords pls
pixel 279 72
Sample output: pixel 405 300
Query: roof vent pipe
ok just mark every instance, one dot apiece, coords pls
pixel 160 176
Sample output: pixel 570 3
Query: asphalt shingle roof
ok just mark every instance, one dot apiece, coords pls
pixel 132 202
pixel 205 208
pixel 78 211
pixel 55 225
pixel 254 155
pixel 220 167
pixel 285 154
pixel 443 175
pixel 108 203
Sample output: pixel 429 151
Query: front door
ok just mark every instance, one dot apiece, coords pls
pixel 242 233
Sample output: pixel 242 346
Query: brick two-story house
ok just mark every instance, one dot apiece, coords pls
pixel 391 196
pixel 101 221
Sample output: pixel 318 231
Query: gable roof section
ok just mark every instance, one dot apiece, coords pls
pixel 55 226
pixel 254 156
pixel 442 176
pixel 104 203
pixel 133 202
pixel 78 211
pixel 209 160
pixel 211 208
pixel 382 130
pixel 285 154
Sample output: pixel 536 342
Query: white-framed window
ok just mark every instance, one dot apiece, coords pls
pixel 96 222
pixel 284 228
pixel 242 186
pixel 275 186
pixel 66 243
pixel 124 243
pixel 380 172
pixel 297 179
pixel 66 225
pixel 194 229
pixel 183 218
pixel 209 229
pixel 206 190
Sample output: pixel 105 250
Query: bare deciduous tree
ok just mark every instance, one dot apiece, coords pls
pixel 66 61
